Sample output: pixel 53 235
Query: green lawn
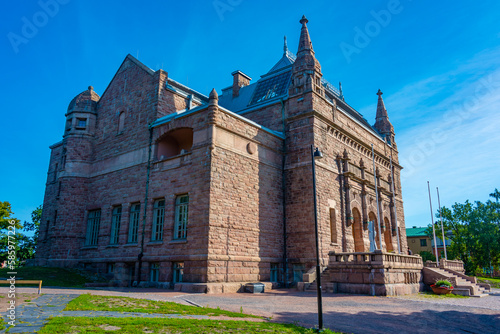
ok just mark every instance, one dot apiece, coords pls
pixel 49 276
pixel 125 304
pixel 494 282
pixel 153 326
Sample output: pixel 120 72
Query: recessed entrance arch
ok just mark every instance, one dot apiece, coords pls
pixel 357 232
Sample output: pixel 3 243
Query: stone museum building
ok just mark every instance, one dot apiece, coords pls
pixel 156 182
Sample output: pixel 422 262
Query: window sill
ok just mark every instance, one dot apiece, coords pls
pixel 112 246
pixel 88 247
pixel 178 241
pixel 333 244
pixel 156 242
pixel 131 244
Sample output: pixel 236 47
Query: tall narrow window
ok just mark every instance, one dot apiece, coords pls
pixel 178 272
pixel 154 272
pixel 333 226
pixel 121 122
pixel 115 225
pixel 93 222
pixel 274 272
pixel 55 172
pixel 133 227
pixel 158 214
pixel 181 216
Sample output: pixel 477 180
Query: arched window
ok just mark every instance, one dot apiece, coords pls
pixel 121 122
pixel 176 142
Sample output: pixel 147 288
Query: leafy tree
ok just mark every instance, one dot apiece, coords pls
pixel 427 256
pixel 24 246
pixel 475 233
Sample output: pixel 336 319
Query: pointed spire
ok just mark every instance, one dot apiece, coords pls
pixel 340 91
pixel 213 98
pixel 305 44
pixel 382 123
pixel 285 47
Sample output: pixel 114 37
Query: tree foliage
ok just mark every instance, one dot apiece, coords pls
pixel 24 245
pixel 475 233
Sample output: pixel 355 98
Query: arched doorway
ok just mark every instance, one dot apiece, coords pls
pixel 388 236
pixel 357 232
pixel 373 218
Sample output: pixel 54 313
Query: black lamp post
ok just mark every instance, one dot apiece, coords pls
pixel 316 154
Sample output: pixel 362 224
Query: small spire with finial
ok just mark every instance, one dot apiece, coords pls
pixel 91 88
pixel 285 47
pixel 213 98
pixel 340 91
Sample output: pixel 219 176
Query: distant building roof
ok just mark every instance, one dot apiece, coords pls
pixel 416 232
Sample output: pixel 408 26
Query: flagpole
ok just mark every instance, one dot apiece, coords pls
pixel 376 194
pixel 442 227
pixel 433 229
pixel 395 207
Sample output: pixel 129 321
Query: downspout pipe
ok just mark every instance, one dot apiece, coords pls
pixel 283 189
pixel 141 254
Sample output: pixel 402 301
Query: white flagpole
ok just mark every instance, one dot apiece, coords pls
pixel 442 227
pixel 433 229
pixel 376 194
pixel 395 207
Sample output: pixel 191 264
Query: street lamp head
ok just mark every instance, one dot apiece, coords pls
pixel 317 154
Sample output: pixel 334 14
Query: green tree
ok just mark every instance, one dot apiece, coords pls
pixel 475 233
pixel 24 245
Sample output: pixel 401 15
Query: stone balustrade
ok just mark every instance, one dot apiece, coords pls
pixel 378 259
pixel 455 265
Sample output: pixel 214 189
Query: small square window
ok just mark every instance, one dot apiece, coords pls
pixel 81 123
pixel 423 242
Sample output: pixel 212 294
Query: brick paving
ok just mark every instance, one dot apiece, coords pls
pixel 346 313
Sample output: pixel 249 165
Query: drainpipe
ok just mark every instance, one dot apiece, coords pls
pixel 141 254
pixel 283 189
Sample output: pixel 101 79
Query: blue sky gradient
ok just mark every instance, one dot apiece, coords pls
pixel 436 62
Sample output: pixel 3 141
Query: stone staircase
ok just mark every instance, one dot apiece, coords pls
pixel 462 284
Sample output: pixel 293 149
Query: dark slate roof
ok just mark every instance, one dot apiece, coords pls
pixel 273 86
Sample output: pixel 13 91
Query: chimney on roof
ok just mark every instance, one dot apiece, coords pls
pixel 240 79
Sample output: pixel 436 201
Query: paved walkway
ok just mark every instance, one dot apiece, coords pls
pixel 346 313
pixel 32 316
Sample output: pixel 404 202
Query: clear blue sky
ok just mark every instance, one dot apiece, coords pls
pixel 436 62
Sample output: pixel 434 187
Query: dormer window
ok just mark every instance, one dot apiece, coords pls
pixel 81 123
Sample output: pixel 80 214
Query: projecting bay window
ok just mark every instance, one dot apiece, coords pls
pixel 115 225
pixel 158 218
pixel 133 227
pixel 181 216
pixel 93 222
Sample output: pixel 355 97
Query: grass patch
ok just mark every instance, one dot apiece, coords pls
pixel 89 302
pixel 49 276
pixel 83 325
pixel 428 294
pixel 494 282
